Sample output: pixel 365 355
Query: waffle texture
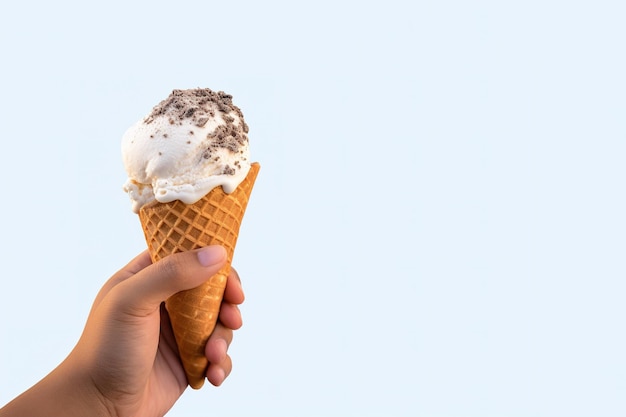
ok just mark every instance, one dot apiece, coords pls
pixel 177 227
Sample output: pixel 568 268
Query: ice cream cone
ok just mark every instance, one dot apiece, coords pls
pixel 177 227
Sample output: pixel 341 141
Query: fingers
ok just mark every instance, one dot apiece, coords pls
pixel 142 293
pixel 216 351
pixel 137 264
pixel 230 315
pixel 233 293
pixel 140 262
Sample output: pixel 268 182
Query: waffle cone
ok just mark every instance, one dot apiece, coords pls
pixel 177 227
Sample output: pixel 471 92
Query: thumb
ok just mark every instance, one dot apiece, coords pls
pixel 144 292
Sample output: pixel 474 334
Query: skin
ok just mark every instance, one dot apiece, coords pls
pixel 126 362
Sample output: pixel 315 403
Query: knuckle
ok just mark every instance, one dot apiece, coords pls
pixel 170 266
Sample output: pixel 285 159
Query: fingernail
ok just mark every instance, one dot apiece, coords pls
pixel 243 293
pixel 223 349
pixel 221 376
pixel 211 255
pixel 238 281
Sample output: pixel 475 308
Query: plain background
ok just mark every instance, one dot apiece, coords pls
pixel 438 227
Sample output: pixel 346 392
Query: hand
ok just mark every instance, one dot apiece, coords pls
pixel 126 362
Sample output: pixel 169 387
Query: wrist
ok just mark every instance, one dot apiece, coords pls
pixel 61 393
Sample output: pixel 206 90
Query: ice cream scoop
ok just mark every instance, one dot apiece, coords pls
pixel 191 142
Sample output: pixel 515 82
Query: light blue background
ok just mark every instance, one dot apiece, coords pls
pixel 438 227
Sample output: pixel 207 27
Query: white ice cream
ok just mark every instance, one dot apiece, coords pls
pixel 191 142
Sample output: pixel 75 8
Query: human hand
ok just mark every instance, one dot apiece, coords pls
pixel 128 344
pixel 126 362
